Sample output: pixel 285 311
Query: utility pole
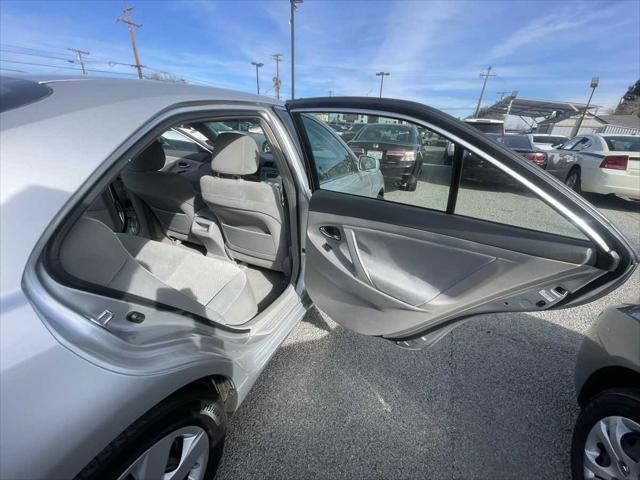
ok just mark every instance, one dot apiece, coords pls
pixel 257 65
pixel 484 85
pixel 79 54
pixel 382 75
pixel 293 52
pixel 594 84
pixel 331 93
pixel 276 80
pixel 130 25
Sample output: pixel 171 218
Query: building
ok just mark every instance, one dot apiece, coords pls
pixel 564 124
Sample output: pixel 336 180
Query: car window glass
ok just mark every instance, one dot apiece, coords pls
pixel 571 143
pixel 517 141
pixel 487 193
pixel 582 144
pixel 623 144
pixel 175 141
pixel 392 159
pixel 332 159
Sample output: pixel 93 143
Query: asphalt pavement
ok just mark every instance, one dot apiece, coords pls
pixel 493 400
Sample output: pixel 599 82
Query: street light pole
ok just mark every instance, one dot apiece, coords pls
pixel 293 52
pixel 594 84
pixel 382 75
pixel 257 65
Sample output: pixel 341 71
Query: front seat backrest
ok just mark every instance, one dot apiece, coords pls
pixel 170 196
pixel 249 212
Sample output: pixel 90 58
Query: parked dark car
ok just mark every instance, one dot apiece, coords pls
pixel 352 132
pixel 475 167
pixel 523 145
pixel 397 147
pixel 606 437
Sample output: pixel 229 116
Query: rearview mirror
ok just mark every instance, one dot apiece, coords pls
pixel 368 164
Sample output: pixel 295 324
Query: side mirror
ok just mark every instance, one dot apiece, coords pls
pixel 368 164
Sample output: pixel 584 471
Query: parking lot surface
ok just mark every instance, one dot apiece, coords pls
pixel 492 400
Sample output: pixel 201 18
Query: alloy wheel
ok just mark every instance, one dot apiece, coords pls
pixel 181 455
pixel 612 450
pixel 572 180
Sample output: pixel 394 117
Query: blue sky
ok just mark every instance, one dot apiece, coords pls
pixel 434 50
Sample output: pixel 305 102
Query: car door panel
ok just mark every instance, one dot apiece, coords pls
pixel 409 273
pixel 400 280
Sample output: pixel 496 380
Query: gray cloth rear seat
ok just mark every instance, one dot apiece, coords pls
pixel 170 196
pixel 251 213
pixel 165 273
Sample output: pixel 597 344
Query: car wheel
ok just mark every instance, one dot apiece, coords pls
pixel 381 195
pixel 182 437
pixel 573 180
pixel 606 438
pixel 412 184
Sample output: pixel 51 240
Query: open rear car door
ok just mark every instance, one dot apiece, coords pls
pixel 410 274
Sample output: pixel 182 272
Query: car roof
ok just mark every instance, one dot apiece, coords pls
pixel 49 147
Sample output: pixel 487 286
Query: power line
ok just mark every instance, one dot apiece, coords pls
pixel 12 70
pixel 37 55
pixel 130 26
pixel 63 67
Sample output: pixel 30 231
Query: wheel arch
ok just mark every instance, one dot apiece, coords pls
pixel 607 378
pixel 572 169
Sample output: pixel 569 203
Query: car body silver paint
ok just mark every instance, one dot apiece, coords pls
pixel 612 341
pixel 47 379
pixel 579 222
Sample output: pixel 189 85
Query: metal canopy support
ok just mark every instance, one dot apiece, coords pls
pixel 533 108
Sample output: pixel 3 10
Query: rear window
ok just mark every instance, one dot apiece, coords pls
pixel 550 140
pixel 516 141
pixel 486 127
pixel 388 133
pixel 623 144
pixel 16 92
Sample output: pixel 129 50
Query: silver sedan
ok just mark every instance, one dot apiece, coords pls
pixel 139 306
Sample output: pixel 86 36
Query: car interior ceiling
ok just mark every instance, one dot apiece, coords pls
pixel 206 232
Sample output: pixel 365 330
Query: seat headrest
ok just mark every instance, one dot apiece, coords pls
pixel 150 159
pixel 235 154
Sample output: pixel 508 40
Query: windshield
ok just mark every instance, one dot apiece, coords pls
pixel 623 144
pixel 388 133
pixel 516 141
pixel 549 140
pixel 495 136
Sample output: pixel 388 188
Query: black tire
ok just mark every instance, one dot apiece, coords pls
pixel 197 406
pixel 573 180
pixel 623 402
pixel 381 195
pixel 412 184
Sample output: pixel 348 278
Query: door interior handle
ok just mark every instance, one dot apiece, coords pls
pixel 331 232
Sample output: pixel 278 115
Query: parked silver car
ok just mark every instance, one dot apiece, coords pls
pixel 546 141
pixel 606 438
pixel 139 306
